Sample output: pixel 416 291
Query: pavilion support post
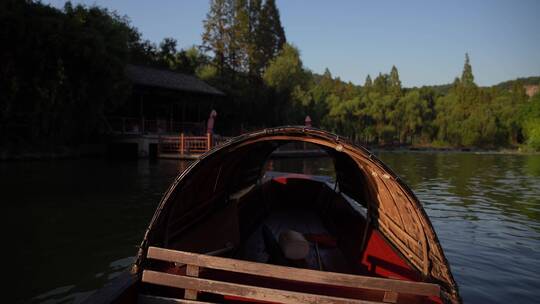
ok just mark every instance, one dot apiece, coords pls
pixel 181 145
pixel 171 118
pixel 208 141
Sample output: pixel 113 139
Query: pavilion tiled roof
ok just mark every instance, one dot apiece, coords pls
pixel 161 78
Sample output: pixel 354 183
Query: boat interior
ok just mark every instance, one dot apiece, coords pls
pixel 239 226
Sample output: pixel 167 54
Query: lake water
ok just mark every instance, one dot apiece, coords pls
pixel 73 225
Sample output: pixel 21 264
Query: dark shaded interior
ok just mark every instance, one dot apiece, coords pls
pixel 242 176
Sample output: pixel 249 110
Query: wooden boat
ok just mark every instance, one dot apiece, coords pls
pixel 219 235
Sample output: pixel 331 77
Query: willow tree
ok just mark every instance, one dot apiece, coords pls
pixel 286 75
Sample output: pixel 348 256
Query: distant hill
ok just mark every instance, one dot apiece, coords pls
pixel 507 85
pixel 442 89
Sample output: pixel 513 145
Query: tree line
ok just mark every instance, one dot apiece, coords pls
pixel 254 63
pixel 63 72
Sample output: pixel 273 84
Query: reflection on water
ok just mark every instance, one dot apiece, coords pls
pixel 74 225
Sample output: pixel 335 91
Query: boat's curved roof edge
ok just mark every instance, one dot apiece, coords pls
pixel 398 212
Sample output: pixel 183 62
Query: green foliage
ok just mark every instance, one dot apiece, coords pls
pixel 461 115
pixel 472 116
pixel 61 71
pixel 285 71
pixel 207 72
pixel 270 34
pixel 532 131
pixel 286 76
pixel 216 26
pixel 243 36
pixel 395 83
pixel 166 55
pixel 412 112
pixel 467 78
pixel 530 119
pixel 368 83
pixel 64 70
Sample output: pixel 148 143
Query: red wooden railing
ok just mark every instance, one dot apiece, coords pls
pixel 185 144
pixel 189 145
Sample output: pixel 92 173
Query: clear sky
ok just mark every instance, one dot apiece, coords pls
pixel 426 40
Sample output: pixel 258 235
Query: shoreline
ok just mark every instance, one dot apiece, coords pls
pixel 475 150
pixel 65 153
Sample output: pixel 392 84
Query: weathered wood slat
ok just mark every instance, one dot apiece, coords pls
pixel 228 247
pixel 192 271
pixel 245 291
pixel 148 299
pixel 294 274
pixel 390 297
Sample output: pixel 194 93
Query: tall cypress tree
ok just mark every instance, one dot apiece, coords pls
pixel 256 64
pixel 368 83
pixel 381 83
pixel 327 74
pixel 215 33
pixel 395 83
pixel 275 25
pixel 271 35
pixel 244 35
pixel 467 78
pixel 240 38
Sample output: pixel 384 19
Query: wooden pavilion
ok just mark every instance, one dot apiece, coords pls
pixel 164 102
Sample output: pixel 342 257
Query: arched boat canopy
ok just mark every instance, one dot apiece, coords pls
pixel 392 206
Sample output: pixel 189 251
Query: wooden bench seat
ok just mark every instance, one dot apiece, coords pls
pixel 148 299
pixel 193 284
